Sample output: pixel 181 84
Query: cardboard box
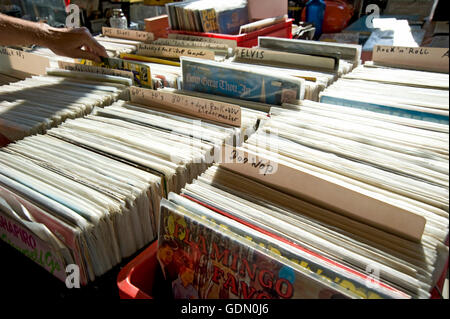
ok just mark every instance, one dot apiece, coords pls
pixel 158 26
pixel 262 9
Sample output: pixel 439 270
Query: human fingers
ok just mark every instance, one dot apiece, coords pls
pixel 90 42
pixel 95 47
pixel 84 54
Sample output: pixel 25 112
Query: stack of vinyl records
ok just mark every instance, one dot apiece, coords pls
pixel 49 54
pixel 38 103
pixel 224 17
pixel 319 63
pixel 318 71
pixel 164 75
pixel 89 190
pixel 345 56
pixel 146 72
pixel 163 57
pixel 239 245
pixel 114 47
pixel 99 212
pixel 277 71
pixel 124 129
pixel 371 72
pixel 408 93
pixel 316 80
pixel 244 82
pixel 342 111
pixel 356 206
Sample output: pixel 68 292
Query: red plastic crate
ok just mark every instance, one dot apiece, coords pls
pixel 248 40
pixel 435 294
pixel 135 280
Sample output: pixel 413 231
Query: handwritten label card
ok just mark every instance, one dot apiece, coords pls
pixel 324 191
pixel 186 43
pixel 164 51
pixel 94 69
pixel 285 58
pixel 135 35
pixel 247 163
pixel 229 43
pixel 30 63
pixel 424 59
pixel 202 108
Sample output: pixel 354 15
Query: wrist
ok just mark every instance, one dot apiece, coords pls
pixel 47 36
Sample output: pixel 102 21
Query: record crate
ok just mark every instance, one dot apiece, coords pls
pixel 248 40
pixel 136 279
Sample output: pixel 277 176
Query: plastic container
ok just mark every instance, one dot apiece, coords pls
pixel 337 16
pixel 315 13
pixel 248 40
pixel 118 20
pixel 135 280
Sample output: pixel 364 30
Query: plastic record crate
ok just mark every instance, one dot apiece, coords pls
pixel 248 40
pixel 136 279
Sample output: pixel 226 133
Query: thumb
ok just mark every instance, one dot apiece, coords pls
pixel 96 47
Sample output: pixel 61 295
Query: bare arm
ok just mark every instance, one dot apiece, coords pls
pixel 74 43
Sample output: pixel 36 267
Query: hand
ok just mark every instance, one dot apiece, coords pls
pixel 74 43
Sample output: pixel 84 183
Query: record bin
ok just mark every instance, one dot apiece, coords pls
pixel 248 40
pixel 135 280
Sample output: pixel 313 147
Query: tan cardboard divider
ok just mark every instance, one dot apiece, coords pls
pixel 424 59
pixel 215 111
pixel 326 192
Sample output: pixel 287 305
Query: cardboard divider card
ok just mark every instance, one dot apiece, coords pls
pixel 176 36
pixel 259 24
pixel 173 52
pixel 135 35
pixel 351 52
pixel 285 58
pixel 16 60
pixel 202 108
pixel 421 58
pixel 325 192
pixel 94 69
pixel 187 43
